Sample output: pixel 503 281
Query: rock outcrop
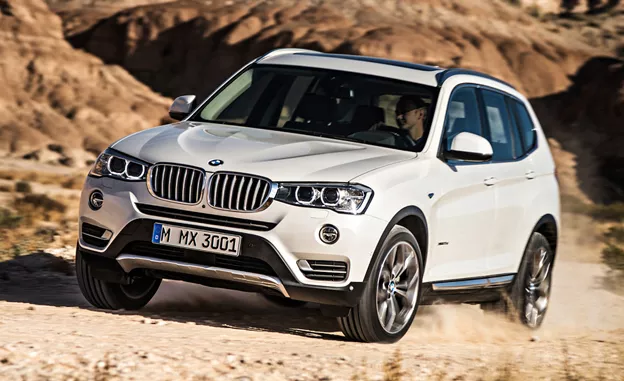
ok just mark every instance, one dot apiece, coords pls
pixel 56 98
pixel 191 46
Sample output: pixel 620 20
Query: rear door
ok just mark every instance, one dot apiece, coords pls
pixel 463 216
pixel 512 169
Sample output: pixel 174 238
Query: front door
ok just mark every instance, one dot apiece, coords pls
pixel 463 216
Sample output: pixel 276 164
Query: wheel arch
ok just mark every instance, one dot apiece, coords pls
pixel 413 219
pixel 547 226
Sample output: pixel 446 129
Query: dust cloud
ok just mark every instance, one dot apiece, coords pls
pixel 578 304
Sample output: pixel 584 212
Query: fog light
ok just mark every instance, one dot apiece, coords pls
pixel 329 234
pixel 96 200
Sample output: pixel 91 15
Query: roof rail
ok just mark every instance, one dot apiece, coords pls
pixel 448 73
pixel 281 52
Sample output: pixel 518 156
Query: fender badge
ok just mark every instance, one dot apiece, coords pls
pixel 215 162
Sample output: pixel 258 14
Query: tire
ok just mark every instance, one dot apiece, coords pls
pixel 527 300
pixel 284 302
pixel 364 321
pixel 114 296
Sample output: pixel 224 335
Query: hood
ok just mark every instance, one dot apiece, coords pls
pixel 279 156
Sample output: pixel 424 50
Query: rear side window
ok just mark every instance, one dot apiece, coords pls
pixel 462 115
pixel 525 125
pixel 505 140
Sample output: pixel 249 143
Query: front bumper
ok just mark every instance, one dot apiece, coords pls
pixel 279 236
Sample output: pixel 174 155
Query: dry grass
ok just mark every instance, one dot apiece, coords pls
pixel 601 212
pixel 392 368
pixel 68 181
pixel 35 221
pixel 615 234
pixel 613 256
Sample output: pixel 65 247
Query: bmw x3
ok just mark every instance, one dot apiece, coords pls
pixel 365 185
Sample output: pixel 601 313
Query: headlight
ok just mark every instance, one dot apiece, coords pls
pixel 342 198
pixel 116 165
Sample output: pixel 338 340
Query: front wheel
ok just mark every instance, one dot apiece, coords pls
pixel 392 293
pixel 114 296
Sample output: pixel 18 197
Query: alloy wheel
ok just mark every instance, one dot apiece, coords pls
pixel 397 287
pixel 537 287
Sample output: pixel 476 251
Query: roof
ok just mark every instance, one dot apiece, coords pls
pixel 411 72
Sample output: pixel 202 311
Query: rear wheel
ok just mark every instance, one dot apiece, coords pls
pixel 529 296
pixel 114 296
pixel 392 293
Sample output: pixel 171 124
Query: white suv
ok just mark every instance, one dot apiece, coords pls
pixel 366 185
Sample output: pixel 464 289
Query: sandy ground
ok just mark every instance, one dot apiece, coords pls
pixel 47 331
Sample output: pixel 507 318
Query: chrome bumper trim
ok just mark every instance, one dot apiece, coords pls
pixel 472 283
pixel 129 262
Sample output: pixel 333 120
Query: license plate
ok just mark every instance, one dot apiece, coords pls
pixel 194 239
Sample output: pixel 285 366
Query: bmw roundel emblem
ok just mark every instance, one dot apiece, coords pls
pixel 215 162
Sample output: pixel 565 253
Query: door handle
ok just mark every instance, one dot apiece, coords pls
pixel 530 174
pixel 490 181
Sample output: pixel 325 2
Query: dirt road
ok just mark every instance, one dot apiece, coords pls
pixel 47 331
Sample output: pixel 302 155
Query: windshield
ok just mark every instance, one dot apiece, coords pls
pixel 327 103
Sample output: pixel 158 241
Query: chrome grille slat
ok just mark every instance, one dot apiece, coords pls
pixel 184 185
pixel 190 194
pixel 238 192
pixel 223 191
pixel 170 183
pixel 253 199
pixel 246 199
pixel 232 187
pixel 176 183
pixel 156 176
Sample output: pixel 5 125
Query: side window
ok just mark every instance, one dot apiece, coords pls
pixel 500 132
pixel 462 115
pixel 525 125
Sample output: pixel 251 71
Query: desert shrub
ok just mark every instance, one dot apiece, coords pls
pixel 613 256
pixel 38 206
pixel 609 212
pixel 615 233
pixel 23 187
pixel 8 220
pixel 74 182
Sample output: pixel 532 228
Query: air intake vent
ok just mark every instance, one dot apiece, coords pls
pixel 236 192
pixel 95 235
pixel 176 183
pixel 323 270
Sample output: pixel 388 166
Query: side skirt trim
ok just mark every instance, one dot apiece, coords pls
pixel 473 284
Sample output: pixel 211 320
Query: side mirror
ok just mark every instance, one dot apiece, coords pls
pixel 467 146
pixel 182 107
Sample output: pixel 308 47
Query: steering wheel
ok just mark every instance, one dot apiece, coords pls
pixel 403 134
pixel 400 140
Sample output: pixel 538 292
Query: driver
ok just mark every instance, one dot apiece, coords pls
pixel 411 112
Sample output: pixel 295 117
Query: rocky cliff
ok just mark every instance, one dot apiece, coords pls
pixel 58 103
